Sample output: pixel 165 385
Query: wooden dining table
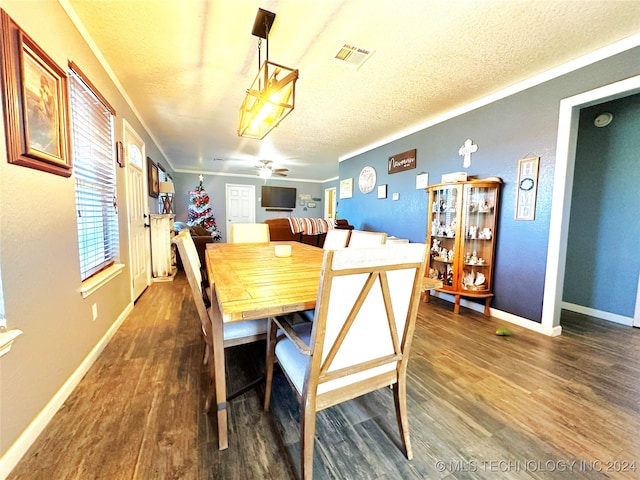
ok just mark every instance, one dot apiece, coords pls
pixel 251 282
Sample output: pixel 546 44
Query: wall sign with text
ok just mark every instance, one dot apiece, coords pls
pixel 527 187
pixel 402 161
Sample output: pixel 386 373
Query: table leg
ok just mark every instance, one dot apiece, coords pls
pixel 220 380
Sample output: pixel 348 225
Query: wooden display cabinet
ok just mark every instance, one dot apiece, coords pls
pixel 461 233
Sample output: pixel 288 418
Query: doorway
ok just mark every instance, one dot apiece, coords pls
pixel 562 189
pixel 603 230
pixel 138 211
pixel 241 205
pixel 330 203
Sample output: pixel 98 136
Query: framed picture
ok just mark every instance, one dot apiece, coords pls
pixel 422 181
pixel 382 191
pixel 152 177
pixel 35 103
pixel 346 188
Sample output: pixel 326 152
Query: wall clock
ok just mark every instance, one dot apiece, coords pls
pixel 367 179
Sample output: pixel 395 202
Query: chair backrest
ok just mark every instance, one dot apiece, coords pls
pixel 365 317
pixel 249 232
pixel 336 238
pixel 360 238
pixel 191 265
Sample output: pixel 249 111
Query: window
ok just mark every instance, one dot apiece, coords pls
pixel 94 173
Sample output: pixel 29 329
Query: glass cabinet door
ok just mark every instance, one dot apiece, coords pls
pixel 445 219
pixel 479 228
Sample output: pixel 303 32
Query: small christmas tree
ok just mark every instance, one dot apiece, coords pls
pixel 200 213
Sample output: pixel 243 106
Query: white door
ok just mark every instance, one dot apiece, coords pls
pixel 241 205
pixel 330 203
pixel 139 241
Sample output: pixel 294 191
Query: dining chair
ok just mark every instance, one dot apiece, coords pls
pixel 336 238
pixel 359 340
pixel 234 333
pixel 249 232
pixel 360 238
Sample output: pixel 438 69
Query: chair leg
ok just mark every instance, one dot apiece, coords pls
pixel 307 435
pixel 217 369
pixel 400 399
pixel 272 330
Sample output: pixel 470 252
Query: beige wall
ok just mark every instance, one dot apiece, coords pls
pixel 39 247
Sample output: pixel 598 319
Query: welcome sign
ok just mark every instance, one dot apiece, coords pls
pixel 402 161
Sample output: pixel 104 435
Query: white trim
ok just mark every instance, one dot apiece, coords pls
pixel 636 314
pixel 592 312
pixel 75 19
pixel 593 57
pixel 562 187
pixel 6 340
pixel 16 451
pixel 94 283
pixel 254 176
pixel 499 314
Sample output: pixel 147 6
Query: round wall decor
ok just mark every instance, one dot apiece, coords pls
pixel 367 179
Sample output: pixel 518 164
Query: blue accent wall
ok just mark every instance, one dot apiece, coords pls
pixel 505 131
pixel 603 247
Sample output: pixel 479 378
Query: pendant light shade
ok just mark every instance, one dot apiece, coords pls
pixel 272 95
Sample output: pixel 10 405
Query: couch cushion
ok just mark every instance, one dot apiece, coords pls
pixel 199 231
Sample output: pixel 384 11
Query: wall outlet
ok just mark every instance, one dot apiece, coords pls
pixel 94 311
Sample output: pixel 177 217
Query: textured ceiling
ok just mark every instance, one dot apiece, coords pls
pixel 186 64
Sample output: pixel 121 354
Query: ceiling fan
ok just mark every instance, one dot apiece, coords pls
pixel 265 170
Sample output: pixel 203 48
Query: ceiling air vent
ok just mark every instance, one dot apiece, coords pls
pixel 352 56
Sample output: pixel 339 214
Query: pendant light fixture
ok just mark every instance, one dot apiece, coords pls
pixel 272 95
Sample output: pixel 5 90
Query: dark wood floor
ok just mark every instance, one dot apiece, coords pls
pixel 481 406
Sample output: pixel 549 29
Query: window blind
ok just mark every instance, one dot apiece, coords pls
pixel 94 173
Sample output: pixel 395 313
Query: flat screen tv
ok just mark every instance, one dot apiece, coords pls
pixel 278 197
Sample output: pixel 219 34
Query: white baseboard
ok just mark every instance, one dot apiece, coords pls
pixel 507 317
pixel 592 312
pixel 13 455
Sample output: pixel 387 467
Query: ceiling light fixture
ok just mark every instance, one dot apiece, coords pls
pixel 265 172
pixel 272 95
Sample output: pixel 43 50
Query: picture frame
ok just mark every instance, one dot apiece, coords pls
pixel 346 188
pixel 152 178
pixel 35 103
pixel 422 181
pixel 382 191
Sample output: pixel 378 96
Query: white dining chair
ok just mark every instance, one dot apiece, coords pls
pixel 361 238
pixel 249 233
pixel 359 340
pixel 336 238
pixel 234 333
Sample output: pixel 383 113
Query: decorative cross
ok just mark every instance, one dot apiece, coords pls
pixel 466 150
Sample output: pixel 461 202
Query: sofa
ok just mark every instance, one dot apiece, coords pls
pixel 200 237
pixel 280 230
